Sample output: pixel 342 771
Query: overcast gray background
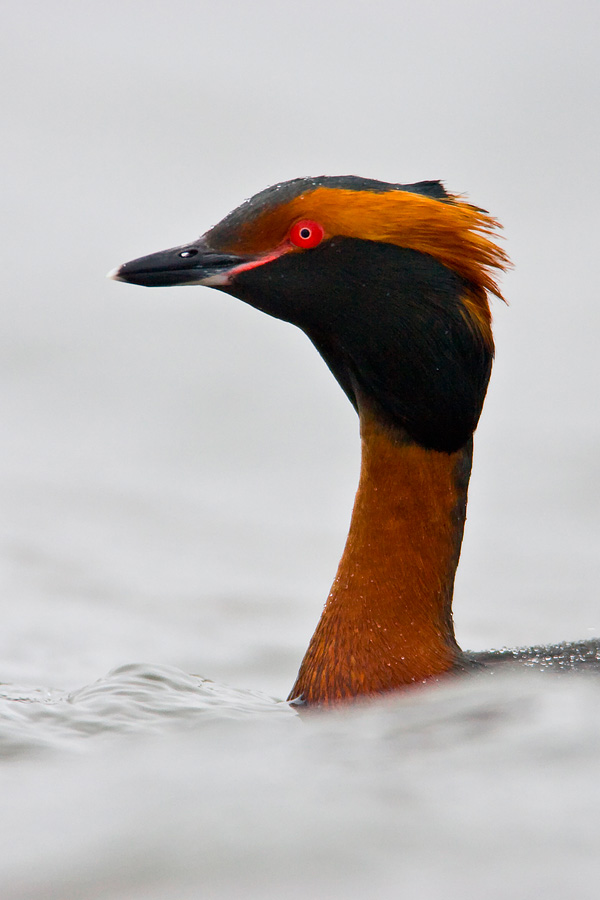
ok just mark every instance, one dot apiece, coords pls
pixel 173 454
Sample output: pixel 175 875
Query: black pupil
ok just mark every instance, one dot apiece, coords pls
pixel 305 233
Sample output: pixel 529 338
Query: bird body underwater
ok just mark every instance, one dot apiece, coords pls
pixel 390 282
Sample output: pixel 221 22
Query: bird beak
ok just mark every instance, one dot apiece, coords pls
pixel 192 263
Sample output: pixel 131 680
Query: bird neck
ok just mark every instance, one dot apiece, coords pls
pixel 388 618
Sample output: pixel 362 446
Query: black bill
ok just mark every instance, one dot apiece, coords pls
pixel 190 264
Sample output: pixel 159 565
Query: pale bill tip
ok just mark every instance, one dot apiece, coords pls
pixel 114 274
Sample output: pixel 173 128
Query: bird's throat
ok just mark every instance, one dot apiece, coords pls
pixel 388 619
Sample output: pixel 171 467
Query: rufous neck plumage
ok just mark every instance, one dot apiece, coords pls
pixel 387 622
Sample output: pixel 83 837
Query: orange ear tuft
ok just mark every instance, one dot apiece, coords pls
pixel 454 232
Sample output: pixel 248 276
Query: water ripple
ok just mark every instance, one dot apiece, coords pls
pixel 131 698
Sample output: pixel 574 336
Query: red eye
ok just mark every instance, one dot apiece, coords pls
pixel 306 234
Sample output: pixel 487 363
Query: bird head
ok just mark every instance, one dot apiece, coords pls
pixel 389 281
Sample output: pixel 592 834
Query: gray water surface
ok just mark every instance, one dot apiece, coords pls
pixel 154 783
